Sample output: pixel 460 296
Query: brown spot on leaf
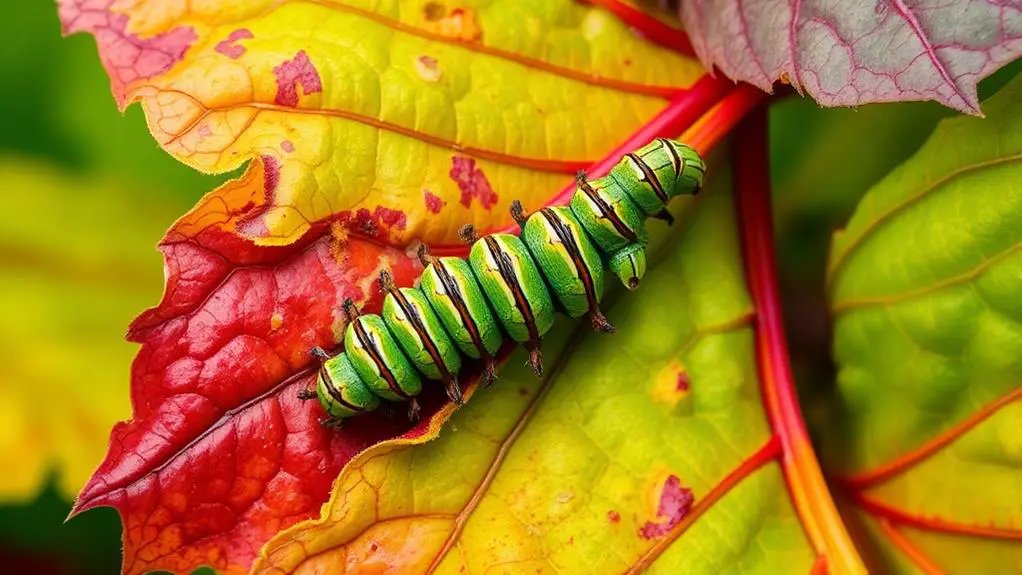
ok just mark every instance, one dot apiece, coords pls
pixel 472 182
pixel 675 503
pixel 433 202
pixel 456 23
pixel 613 516
pixel 523 392
pixel 230 47
pixel 427 68
pixel 295 72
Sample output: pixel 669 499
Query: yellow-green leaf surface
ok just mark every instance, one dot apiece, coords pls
pixel 585 470
pixel 926 285
pixel 73 276
pixel 410 118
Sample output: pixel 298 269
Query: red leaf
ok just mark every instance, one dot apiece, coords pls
pixel 221 454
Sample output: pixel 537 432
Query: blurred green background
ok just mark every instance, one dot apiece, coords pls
pixel 88 194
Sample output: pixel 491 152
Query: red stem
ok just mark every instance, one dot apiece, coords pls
pixel 804 479
pixel 650 27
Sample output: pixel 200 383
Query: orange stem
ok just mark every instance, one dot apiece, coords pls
pixel 898 539
pixel 805 482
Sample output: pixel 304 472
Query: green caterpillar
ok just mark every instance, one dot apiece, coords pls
pixel 510 282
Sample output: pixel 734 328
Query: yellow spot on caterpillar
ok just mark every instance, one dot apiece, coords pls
pixel 276 320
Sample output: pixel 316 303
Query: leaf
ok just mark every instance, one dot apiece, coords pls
pixel 71 289
pixel 481 106
pixel 847 54
pixel 924 283
pixel 648 448
pixel 415 124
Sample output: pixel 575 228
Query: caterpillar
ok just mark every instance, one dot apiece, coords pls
pixel 510 284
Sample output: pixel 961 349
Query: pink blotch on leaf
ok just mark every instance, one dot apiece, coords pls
pixel 287 146
pixel 683 381
pixel 292 73
pixel 205 131
pixel 433 202
pixel 230 48
pixel 126 57
pixel 613 517
pixel 472 182
pixel 675 503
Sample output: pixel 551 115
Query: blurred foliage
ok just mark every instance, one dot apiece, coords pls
pixel 74 270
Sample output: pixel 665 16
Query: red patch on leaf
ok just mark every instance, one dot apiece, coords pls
pixel 683 381
pixel 433 202
pixel 230 47
pixel 298 71
pixel 675 503
pixel 376 223
pixel 126 57
pixel 472 182
pixel 613 517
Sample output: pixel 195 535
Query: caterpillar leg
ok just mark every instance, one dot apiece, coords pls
pixel 600 322
pixel 535 357
pixel 318 353
pixel 489 373
pixel 518 213
pixel 425 258
pixel 468 234
pixel 307 394
pixel 665 216
pixel 414 409
pixel 332 422
pixel 454 390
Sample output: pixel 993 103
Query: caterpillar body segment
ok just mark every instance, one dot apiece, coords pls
pixel 515 290
pixel 421 336
pixel 339 388
pixel 569 261
pixel 509 285
pixel 377 358
pixel 454 294
pixel 609 216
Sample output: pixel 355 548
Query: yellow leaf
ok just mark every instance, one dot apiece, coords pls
pixel 76 273
pixel 431 116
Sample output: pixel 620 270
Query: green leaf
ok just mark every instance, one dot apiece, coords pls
pixel 925 284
